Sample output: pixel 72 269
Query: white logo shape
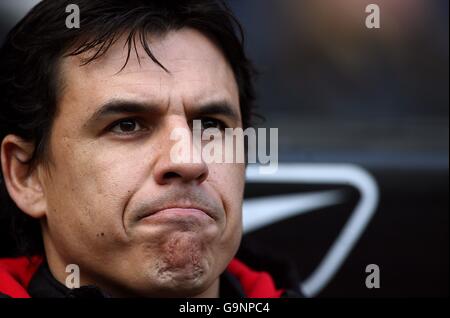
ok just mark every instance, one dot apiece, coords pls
pixel 265 211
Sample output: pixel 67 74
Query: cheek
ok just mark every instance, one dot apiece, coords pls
pixel 232 181
pixel 228 181
pixel 90 194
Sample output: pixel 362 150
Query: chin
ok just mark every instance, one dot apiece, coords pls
pixel 179 284
pixel 184 280
pixel 183 265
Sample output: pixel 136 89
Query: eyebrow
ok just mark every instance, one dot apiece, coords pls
pixel 118 106
pixel 217 108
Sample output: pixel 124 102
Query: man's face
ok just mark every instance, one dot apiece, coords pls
pixel 111 171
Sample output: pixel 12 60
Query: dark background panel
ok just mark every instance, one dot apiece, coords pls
pixel 407 237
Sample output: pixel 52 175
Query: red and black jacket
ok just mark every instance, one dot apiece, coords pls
pixel 25 277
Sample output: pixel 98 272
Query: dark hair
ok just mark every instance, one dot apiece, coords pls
pixel 30 56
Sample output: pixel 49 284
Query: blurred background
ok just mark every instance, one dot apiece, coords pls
pixel 340 93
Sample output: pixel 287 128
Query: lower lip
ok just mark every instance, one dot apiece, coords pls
pixel 178 214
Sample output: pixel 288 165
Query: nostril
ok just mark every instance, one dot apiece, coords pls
pixel 171 175
pixel 203 177
pixel 168 172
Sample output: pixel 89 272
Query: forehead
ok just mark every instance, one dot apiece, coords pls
pixel 198 72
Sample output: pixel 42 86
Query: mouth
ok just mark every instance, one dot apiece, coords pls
pixel 177 212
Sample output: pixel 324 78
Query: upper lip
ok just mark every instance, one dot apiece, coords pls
pixel 147 213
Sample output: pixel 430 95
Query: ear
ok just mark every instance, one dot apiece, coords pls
pixel 24 186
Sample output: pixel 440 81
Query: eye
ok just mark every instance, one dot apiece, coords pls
pixel 208 122
pixel 126 126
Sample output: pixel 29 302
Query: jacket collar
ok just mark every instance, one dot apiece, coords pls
pixel 25 277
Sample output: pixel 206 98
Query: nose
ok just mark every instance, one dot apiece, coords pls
pixel 168 171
